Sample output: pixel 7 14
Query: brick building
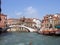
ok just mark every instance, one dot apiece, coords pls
pixel 3 21
pixel 12 21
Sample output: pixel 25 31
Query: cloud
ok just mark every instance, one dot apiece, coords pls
pixel 19 13
pixel 8 17
pixel 28 12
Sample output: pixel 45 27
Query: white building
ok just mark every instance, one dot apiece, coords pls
pixel 38 23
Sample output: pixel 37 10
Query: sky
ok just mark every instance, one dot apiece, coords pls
pixel 30 8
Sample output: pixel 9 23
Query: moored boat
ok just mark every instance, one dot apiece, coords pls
pixel 49 32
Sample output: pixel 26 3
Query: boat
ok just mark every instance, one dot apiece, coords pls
pixel 50 32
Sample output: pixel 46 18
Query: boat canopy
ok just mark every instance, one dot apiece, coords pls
pixel 57 26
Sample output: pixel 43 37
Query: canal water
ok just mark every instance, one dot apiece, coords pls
pixel 25 38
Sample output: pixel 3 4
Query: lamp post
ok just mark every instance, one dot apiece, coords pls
pixel 0 10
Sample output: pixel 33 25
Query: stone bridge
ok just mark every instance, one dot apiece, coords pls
pixel 22 26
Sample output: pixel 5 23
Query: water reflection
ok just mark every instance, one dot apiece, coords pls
pixel 18 38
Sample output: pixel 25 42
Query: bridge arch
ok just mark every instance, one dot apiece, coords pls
pixel 22 26
pixel 30 29
pixel 24 29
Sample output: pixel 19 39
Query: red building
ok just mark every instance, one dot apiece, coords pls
pixel 3 21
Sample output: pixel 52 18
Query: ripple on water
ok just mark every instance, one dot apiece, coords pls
pixel 21 44
pixel 25 38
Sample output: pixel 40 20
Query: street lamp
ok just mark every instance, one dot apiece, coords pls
pixel 0 10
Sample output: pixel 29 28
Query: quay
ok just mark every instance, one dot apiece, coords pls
pixel 51 32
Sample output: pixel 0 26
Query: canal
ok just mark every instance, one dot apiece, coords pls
pixel 25 38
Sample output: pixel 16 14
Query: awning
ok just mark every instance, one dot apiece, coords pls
pixel 58 26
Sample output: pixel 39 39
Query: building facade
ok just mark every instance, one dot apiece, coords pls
pixel 3 22
pixel 49 21
pixel 27 22
pixel 12 21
